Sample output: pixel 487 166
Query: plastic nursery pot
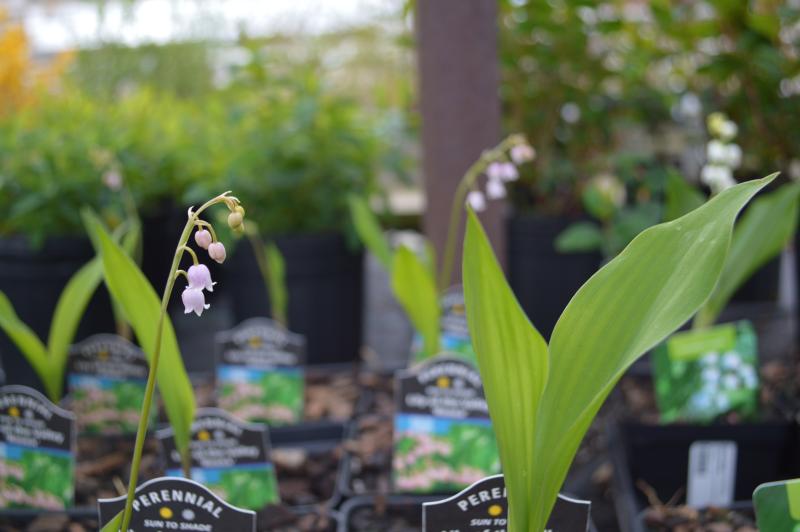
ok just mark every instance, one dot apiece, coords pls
pixel 33 279
pixel 543 279
pixel 398 513
pixel 658 456
pixel 324 278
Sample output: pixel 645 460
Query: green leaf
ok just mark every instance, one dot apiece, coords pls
pixel 626 308
pixel 29 345
pixel 141 305
pixel 414 287
pixel 114 524
pixel 369 231
pixel 512 358
pixel 763 231
pixel 276 281
pixel 579 237
pixel 680 197
pixel 71 305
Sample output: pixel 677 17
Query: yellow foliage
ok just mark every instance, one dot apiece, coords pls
pixel 20 77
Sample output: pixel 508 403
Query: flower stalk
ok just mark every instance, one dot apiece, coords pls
pixel 193 221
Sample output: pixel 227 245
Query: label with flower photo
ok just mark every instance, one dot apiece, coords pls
pixel 700 375
pixel 37 451
pixel 169 503
pixel 260 374
pixel 228 456
pixel 106 379
pixel 454 335
pixel 443 439
pixel 483 507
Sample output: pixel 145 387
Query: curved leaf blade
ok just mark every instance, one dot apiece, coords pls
pixel 369 231
pixel 415 289
pixel 141 305
pixel 29 345
pixel 276 280
pixel 513 362
pixel 656 284
pixel 761 234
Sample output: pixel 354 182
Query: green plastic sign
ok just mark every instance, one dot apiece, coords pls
pixel 777 506
pixel 702 374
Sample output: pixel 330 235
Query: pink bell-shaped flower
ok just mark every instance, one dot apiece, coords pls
pixel 217 252
pixel 202 238
pixel 194 300
pixel 200 277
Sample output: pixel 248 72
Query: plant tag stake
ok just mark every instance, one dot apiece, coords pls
pixel 712 473
pixel 37 451
pixel 106 379
pixel 777 506
pixel 228 456
pixel 443 439
pixel 454 337
pixel 702 374
pixel 169 503
pixel 483 507
pixel 260 374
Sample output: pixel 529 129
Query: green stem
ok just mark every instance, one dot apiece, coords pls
pixel 261 259
pixel 464 186
pixel 141 432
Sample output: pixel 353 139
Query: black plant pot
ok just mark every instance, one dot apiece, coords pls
pixel 659 456
pixel 161 229
pixel 762 286
pixel 543 279
pixel 33 280
pixel 324 278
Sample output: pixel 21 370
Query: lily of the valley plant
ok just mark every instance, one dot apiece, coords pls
pixel 414 278
pixel 137 298
pixel 542 398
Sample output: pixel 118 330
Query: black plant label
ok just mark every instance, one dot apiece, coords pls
pixel 483 507
pixel 260 375
pixel 37 451
pixel 228 456
pixel 443 439
pixel 169 503
pixel 106 380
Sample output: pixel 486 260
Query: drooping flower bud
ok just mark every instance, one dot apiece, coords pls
pixel 194 300
pixel 202 238
pixel 200 277
pixel 495 189
pixel 235 220
pixel 476 200
pixel 522 153
pixel 217 252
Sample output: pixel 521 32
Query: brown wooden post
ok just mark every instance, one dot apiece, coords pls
pixel 459 76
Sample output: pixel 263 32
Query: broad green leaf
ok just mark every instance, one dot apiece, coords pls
pixel 763 231
pixel 141 305
pixel 415 289
pixel 114 524
pixel 512 358
pixel 579 237
pixel 626 308
pixel 276 280
pixel 28 344
pixel 69 310
pixel 680 197
pixel 369 231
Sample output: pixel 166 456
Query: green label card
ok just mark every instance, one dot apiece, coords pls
pixel 443 439
pixel 702 374
pixel 454 334
pixel 230 457
pixel 106 378
pixel 37 451
pixel 260 374
pixel 777 506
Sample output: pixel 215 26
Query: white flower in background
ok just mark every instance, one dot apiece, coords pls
pixel 476 200
pixel 611 188
pixel 733 156
pixel 717 178
pixel 716 152
pixel 690 105
pixel 570 112
pixel 728 130
pixel 494 171
pixel 112 179
pixel 522 153
pixel 495 189
pixel 794 169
